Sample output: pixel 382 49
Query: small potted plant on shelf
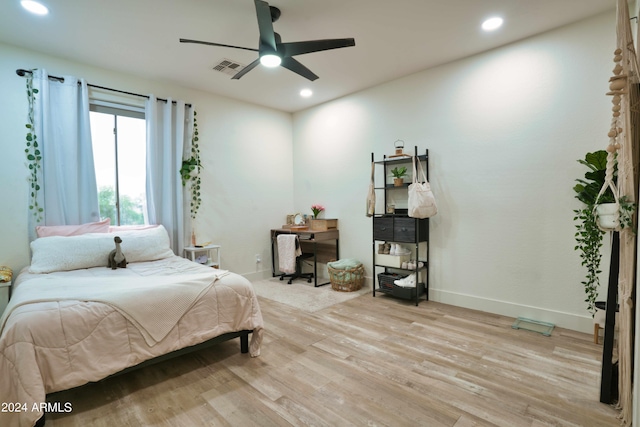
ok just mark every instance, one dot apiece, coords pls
pixel 398 173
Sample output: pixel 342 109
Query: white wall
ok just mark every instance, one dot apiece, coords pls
pixel 504 130
pixel 246 151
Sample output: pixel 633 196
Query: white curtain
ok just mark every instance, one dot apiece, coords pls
pixel 168 131
pixel 69 192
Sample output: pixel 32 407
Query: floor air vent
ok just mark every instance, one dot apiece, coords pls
pixel 229 67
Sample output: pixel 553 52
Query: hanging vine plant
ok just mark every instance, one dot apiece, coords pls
pixel 33 153
pixel 190 170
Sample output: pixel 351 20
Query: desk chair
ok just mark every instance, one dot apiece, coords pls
pixel 288 248
pixel 298 273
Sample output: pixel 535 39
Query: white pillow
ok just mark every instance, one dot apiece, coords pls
pixel 57 253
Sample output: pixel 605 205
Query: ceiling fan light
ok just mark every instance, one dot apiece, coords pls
pixel 270 60
pixel 35 7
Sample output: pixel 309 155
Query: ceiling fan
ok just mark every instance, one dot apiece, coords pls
pixel 272 52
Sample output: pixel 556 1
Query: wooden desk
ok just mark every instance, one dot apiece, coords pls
pixel 323 244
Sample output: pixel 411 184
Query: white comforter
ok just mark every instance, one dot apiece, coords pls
pixel 65 329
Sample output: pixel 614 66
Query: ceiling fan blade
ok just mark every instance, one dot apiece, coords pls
pixel 295 66
pixel 299 48
pixel 246 69
pixel 216 44
pixel 265 25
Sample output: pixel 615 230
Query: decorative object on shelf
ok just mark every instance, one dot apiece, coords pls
pixel 324 224
pixel 316 209
pixel 399 145
pixel 398 172
pixel 190 170
pixel 422 203
pixel 34 155
pixel 391 208
pixel 299 223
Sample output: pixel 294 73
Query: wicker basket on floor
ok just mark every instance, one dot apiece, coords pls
pixel 347 280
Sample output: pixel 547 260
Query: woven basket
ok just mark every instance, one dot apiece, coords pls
pixel 348 280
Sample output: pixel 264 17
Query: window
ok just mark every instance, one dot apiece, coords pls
pixel 119 152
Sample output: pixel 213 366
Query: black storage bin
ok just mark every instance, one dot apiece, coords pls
pixel 385 281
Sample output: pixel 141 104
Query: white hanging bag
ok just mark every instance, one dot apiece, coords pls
pixel 422 203
pixel 371 196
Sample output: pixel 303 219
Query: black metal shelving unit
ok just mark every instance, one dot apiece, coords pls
pixel 399 228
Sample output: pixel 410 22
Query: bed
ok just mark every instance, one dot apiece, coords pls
pixel 70 322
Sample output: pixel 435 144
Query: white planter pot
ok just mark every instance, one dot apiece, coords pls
pixel 608 216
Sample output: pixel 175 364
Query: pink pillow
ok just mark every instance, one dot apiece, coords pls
pixel 73 230
pixel 121 228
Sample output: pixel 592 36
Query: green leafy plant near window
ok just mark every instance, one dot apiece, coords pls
pixel 588 235
pixel 190 170
pixel 32 150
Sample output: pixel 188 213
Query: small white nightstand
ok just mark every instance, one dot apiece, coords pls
pixel 213 260
pixel 5 287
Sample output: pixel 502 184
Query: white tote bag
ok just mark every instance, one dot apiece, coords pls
pixel 371 196
pixel 421 204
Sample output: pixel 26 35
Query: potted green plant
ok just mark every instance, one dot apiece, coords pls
pixel 398 173
pixel 190 170
pixel 588 235
pixel 597 214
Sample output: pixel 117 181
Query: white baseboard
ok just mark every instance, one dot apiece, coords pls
pixel 258 275
pixel 561 319
pixel 580 323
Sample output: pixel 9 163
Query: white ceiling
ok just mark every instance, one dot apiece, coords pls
pixel 393 39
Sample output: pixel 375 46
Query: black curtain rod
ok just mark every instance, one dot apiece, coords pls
pixel 22 72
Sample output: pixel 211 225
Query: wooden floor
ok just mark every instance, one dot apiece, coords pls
pixel 366 362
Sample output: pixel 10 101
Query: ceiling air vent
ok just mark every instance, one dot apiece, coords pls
pixel 229 67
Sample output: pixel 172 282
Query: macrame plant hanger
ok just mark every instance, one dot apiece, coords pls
pixel 622 152
pixel 609 181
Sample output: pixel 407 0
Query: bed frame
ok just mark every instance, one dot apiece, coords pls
pixel 244 348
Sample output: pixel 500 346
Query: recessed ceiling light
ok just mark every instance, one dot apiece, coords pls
pixel 492 23
pixel 35 7
pixel 305 93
